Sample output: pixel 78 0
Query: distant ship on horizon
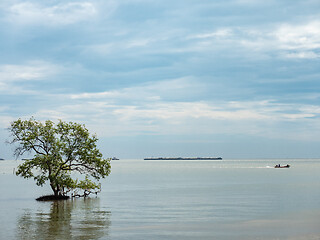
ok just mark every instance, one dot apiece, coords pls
pixel 184 158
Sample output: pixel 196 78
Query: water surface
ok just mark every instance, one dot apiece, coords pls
pixel 228 199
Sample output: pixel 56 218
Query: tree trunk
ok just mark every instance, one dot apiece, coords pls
pixel 54 189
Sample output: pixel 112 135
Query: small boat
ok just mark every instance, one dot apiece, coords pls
pixel 279 166
pixel 114 158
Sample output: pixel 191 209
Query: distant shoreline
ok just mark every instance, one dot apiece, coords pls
pixel 182 158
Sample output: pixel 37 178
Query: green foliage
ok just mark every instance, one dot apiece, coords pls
pixel 59 149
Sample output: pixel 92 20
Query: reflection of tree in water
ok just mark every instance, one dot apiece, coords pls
pixel 72 219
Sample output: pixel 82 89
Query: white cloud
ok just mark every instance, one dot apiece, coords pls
pixel 61 14
pixel 179 112
pixel 127 43
pixel 288 40
pixel 232 111
pixel 12 75
pixel 302 55
pixel 144 109
pixel 148 91
pixel 34 70
pixel 149 101
pixel 299 37
pixel 282 39
pixel 257 118
pixel 220 33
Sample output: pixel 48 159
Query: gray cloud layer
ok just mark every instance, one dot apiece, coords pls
pixel 137 67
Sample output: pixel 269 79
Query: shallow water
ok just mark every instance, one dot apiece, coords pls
pixel 228 199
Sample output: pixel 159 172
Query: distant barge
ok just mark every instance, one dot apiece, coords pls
pixel 182 158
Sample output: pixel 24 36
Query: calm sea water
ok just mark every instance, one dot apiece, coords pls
pixel 228 199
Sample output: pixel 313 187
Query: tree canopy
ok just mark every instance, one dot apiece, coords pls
pixel 59 149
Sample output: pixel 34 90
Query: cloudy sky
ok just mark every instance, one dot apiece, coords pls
pixel 230 78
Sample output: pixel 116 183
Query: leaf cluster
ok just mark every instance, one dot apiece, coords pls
pixel 59 149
